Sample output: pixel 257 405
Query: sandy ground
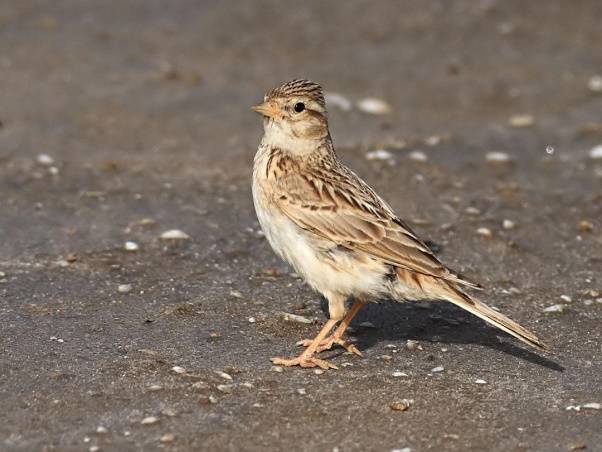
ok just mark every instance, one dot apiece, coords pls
pixel 143 108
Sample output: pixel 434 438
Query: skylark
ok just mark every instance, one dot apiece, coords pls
pixel 336 232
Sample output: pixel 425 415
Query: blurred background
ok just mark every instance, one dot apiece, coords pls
pixel 120 121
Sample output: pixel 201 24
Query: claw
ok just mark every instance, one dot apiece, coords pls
pixel 327 344
pixel 304 362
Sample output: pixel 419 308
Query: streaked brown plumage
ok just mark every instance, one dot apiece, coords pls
pixel 335 230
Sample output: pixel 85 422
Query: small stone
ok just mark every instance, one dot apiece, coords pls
pixel 418 156
pixel 485 232
pixel 586 226
pixel 169 412
pixel 45 160
pixel 318 371
pixel 277 369
pixel 338 101
pixel 167 438
pixel 596 152
pixel 498 157
pixel 252 319
pixel 595 83
pixel 124 288
pixel 373 106
pixel 480 381
pixel 508 224
pixel 149 420
pixel 521 121
pixel 397 373
pixel 301 391
pixel 433 140
pixel 566 298
pixel 379 154
pixel 367 325
pixel 226 389
pixel 405 449
pixel 155 388
pixel 386 357
pixel 401 405
pixel 174 234
pixel 101 430
pixel 131 246
pixel 212 399
pixel 236 294
pixel 94 448
pixel 411 344
pixel 437 369
pixel 178 369
pixel 224 375
pixel 592 406
pixel 555 308
pixel 2 275
pixel 296 318
pixel 472 211
pixel 53 170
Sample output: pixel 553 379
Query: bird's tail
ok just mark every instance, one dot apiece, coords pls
pixel 493 317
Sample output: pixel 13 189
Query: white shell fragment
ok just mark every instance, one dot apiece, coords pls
pixel 566 298
pixel 596 152
pixel 497 157
pixel 224 375
pixel 45 160
pixel 521 121
pixel 379 154
pixel 338 101
pixel 437 369
pixel 397 373
pixel 485 232
pixel 418 156
pixel 508 224
pixel 373 106
pixel 178 369
pixel 149 420
pixel 131 246
pixel 595 83
pixel 587 406
pixel 174 234
pixel 124 288
pixel 480 381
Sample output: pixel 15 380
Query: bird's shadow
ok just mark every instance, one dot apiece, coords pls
pixel 436 322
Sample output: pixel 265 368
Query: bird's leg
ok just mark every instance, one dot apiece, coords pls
pixel 337 336
pixel 307 359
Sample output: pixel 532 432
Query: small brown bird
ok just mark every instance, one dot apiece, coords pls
pixel 336 231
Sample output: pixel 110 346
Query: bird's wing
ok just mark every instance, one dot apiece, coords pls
pixel 339 206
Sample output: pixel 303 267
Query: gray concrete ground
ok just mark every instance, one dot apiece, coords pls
pixel 144 108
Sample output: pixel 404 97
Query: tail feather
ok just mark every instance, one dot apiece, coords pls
pixel 494 318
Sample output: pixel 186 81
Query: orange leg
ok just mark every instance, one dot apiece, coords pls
pixel 337 336
pixel 307 358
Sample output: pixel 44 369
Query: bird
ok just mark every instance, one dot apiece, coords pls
pixel 337 232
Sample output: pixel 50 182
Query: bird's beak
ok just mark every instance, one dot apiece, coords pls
pixel 267 109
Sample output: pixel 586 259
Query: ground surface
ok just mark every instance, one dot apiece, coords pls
pixel 144 107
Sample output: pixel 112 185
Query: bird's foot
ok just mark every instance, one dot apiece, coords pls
pixel 304 361
pixel 328 343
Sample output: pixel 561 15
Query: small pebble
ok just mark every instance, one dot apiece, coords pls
pixel 411 344
pixel 433 140
pixel 596 152
pixel 399 374
pixel 367 325
pixel 405 449
pixel 174 234
pixel 301 391
pixel 588 302
pixel 252 319
pixel 155 388
pixel 401 405
pixel 480 381
pixel 418 156
pixel 498 157
pixel 169 412
pixel 373 106
pixel 390 346
pixel 592 406
pixel 131 246
pixel 586 226
pixel 296 318
pixel 53 170
pixel 472 211
pixel 508 224
pixel 178 369
pixel 224 375
pixel 45 160
pixel 337 100
pixel 595 83
pixel 101 430
pixel 226 389
pixel 521 121
pixel 236 294
pixel 379 154
pixel 555 308
pixel 485 232
pixel 318 371
pixel 212 399
pixel 167 438
pixel 386 357
pixel 566 298
pixel 437 369
pixel 277 369
pixel 94 448
pixel 149 420
pixel 124 288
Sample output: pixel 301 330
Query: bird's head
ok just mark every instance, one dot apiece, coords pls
pixel 294 116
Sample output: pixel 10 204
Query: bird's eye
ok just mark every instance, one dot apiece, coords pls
pixel 299 107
